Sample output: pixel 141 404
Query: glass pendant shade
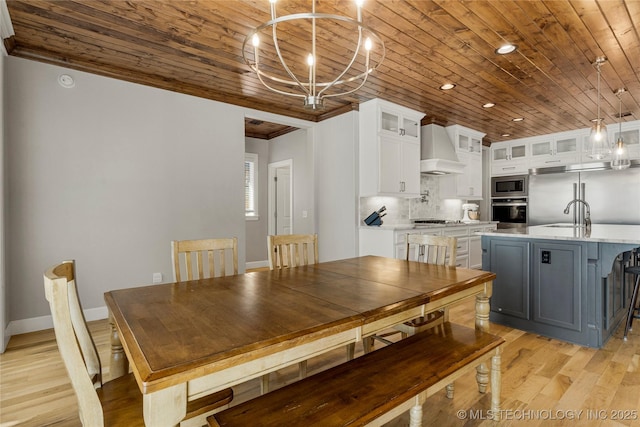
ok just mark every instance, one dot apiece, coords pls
pixel 598 141
pixel 620 158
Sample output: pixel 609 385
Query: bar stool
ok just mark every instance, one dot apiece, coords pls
pixel 634 312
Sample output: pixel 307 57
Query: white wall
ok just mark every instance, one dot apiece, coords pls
pixel 298 146
pixel 336 160
pixel 108 173
pixel 4 314
pixel 257 230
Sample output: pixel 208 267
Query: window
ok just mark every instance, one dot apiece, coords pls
pixel 251 186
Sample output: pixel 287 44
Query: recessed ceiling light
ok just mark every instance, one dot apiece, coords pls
pixel 506 134
pixel 66 81
pixel 505 49
pixel 489 105
pixel 447 86
pixel 517 119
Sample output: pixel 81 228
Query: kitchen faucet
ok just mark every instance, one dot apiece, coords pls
pixel 587 217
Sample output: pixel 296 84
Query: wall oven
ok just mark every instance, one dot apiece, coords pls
pixel 509 200
pixel 511 212
pixel 509 186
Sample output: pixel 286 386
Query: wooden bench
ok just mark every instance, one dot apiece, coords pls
pixel 376 387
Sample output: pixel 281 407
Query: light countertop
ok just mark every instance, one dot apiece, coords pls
pixel 605 233
pixel 424 226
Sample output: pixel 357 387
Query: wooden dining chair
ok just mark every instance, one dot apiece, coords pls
pixel 114 403
pixel 292 250
pixel 194 253
pixel 440 250
pixel 285 251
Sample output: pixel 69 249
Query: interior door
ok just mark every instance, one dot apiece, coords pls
pixel 283 200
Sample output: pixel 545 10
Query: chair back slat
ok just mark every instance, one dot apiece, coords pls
pixel 75 344
pixel 195 250
pixel 292 250
pixel 432 249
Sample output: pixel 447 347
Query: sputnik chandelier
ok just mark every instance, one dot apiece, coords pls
pixel 307 55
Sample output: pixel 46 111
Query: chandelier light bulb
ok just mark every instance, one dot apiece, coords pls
pixel 310 60
pixel 255 40
pixel 359 3
pixel 368 44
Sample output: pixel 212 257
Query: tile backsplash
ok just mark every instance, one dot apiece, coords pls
pixel 402 210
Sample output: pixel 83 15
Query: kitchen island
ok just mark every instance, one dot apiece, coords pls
pixel 562 281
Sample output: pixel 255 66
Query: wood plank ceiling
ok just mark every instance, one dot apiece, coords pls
pixel 194 47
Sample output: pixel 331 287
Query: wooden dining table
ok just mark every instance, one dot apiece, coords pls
pixel 188 339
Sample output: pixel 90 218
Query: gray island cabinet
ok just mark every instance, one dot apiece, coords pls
pixel 562 281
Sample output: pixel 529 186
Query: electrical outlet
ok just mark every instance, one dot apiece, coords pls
pixel 157 277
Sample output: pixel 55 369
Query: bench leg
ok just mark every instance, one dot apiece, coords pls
pixel 415 416
pixel 450 391
pixel 351 351
pixel 367 344
pixel 482 377
pixel 496 383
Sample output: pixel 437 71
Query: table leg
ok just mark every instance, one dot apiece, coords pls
pixel 496 378
pixel 415 416
pixel 482 323
pixel 166 407
pixel 118 363
pixel 482 312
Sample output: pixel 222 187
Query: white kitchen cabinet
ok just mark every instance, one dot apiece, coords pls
pixel 401 240
pixel 465 140
pixel 468 147
pixel 461 234
pixel 393 243
pixel 475 244
pixel 395 121
pixel 555 150
pixel 467 185
pixel 509 157
pixel 389 149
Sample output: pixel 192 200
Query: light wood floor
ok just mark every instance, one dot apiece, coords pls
pixel 543 381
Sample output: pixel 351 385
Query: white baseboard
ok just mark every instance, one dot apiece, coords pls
pixel 256 264
pixel 41 323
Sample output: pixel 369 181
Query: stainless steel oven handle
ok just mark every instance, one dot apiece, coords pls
pixel 510 204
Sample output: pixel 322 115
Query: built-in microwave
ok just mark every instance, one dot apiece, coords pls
pixel 509 186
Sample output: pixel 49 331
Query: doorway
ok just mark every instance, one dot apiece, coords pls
pixel 281 197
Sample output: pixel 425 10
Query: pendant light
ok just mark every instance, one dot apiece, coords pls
pixel 620 153
pixel 598 146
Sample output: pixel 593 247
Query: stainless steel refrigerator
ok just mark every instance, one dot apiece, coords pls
pixel 613 196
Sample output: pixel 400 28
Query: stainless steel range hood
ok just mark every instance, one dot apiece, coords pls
pixel 438 156
pixel 581 167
